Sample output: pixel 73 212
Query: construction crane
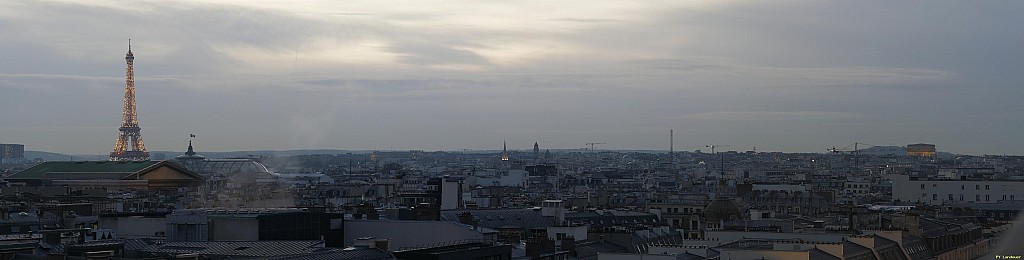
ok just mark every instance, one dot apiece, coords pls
pixel 856 148
pixel 592 145
pixel 714 146
pixel 722 159
pixel 855 153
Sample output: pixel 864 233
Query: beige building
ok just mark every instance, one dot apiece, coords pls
pixel 926 150
pixel 938 192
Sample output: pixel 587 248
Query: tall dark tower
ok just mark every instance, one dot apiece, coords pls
pixel 504 150
pixel 536 153
pixel 129 146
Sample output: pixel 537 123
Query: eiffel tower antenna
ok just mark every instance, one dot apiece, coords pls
pixel 129 145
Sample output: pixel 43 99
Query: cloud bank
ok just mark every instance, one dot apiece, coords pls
pixel 449 75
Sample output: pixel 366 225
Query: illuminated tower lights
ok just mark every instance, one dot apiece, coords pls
pixel 129 145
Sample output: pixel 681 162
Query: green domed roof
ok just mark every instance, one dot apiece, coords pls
pixel 722 208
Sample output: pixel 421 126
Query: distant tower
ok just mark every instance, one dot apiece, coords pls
pixel 671 148
pixel 504 150
pixel 129 145
pixel 190 159
pixel 536 153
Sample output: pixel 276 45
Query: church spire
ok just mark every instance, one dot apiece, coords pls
pixel 190 152
pixel 536 153
pixel 504 150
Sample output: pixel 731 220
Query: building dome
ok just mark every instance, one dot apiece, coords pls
pixel 190 154
pixel 722 208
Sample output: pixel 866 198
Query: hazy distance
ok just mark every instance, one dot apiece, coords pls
pixel 787 76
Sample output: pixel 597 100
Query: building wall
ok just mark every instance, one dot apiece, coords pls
pixel 495 252
pixel 409 233
pixel 765 254
pixel 512 178
pixel 303 226
pixel 229 228
pixel 621 256
pixel 937 192
pixel 242 226
pixel 450 194
pixel 856 188
pixel 188 227
pixel 969 251
pixel 165 173
pixel 11 151
pixel 780 187
pixel 578 233
pixel 676 249
pixel 921 150
pixel 135 226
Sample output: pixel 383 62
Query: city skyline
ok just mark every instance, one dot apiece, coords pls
pixel 781 76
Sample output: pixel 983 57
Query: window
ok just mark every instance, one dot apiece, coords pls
pixel 977 187
pixel 922 186
pixel 986 197
pixel 986 186
pixel 977 197
pixel 924 195
pixel 1004 196
pixel 961 197
pixel 935 196
pixel 962 187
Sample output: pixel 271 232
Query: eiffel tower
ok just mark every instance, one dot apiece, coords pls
pixel 129 146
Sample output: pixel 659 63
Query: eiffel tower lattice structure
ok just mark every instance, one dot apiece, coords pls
pixel 129 145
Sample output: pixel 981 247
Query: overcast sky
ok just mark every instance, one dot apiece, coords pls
pixel 792 76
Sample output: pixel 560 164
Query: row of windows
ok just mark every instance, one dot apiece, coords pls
pixel 676 210
pixel 977 197
pixel 16 229
pixel 962 187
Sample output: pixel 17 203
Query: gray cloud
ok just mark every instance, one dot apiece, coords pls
pixel 585 20
pixel 435 54
pixel 773 115
pixel 802 76
pixel 780 75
